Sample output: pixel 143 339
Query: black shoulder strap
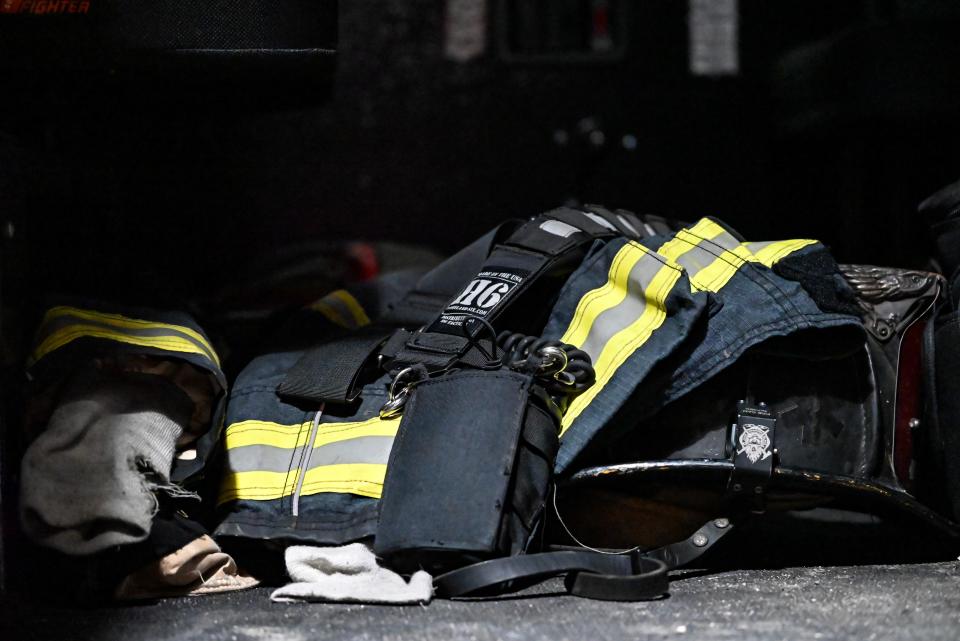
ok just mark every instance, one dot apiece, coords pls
pixel 333 372
pixel 612 577
pixel 636 576
pixel 511 269
pixel 480 281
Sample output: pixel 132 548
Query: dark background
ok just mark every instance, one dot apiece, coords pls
pixel 160 181
pixel 159 152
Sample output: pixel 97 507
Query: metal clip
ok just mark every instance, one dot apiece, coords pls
pixel 553 361
pixel 397 399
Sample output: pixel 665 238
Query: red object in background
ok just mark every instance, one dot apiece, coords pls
pixel 364 264
pixel 600 38
pixel 907 402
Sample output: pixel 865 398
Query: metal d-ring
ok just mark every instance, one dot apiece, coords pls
pixel 396 399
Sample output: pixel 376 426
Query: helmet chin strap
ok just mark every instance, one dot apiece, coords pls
pixel 753 454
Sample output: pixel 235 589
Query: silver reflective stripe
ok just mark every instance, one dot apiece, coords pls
pixel 262 458
pixel 611 321
pixel 755 246
pixel 360 450
pixel 63 322
pixel 266 458
pixel 626 223
pixel 559 228
pixel 600 220
pixel 705 251
pixel 306 462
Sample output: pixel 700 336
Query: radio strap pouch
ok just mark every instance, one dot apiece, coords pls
pixel 466 490
pixel 469 472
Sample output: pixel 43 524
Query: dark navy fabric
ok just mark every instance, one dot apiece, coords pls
pixel 691 346
pixel 700 334
pixel 326 518
pixel 683 311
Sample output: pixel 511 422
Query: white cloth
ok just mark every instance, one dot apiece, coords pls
pixel 347 574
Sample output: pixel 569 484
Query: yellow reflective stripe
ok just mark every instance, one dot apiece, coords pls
pixel 266 433
pixel 342 308
pixel 356 310
pixel 776 251
pixel 611 294
pixel 332 314
pixel 257 486
pixel 714 276
pixel 628 340
pixel 131 323
pixel 721 269
pixel 614 291
pixel 335 432
pixel 68 334
pixel 730 256
pixel 686 239
pixel 364 479
pixel 292 436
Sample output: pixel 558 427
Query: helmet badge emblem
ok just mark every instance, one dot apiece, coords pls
pixel 755 441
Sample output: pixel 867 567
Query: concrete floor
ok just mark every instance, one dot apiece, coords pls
pixel 875 602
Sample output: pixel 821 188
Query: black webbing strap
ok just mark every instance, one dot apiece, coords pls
pixel 636 226
pixel 589 221
pixel 510 269
pixel 650 581
pixel 331 372
pixel 636 576
pixel 625 222
pixel 542 236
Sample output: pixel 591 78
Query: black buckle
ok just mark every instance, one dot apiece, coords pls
pixel 753 453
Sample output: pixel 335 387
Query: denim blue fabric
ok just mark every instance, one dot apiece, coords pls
pixel 327 518
pixel 323 518
pixel 755 305
pixel 704 333
pixel 683 310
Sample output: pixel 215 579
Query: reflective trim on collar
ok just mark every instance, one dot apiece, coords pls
pixel 62 325
pixel 629 308
pixel 714 276
pixel 343 309
pixel 770 252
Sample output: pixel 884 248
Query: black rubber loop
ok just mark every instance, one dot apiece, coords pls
pixel 520 347
pixel 622 577
pixel 650 582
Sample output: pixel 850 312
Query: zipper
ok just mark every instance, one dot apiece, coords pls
pixel 305 463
